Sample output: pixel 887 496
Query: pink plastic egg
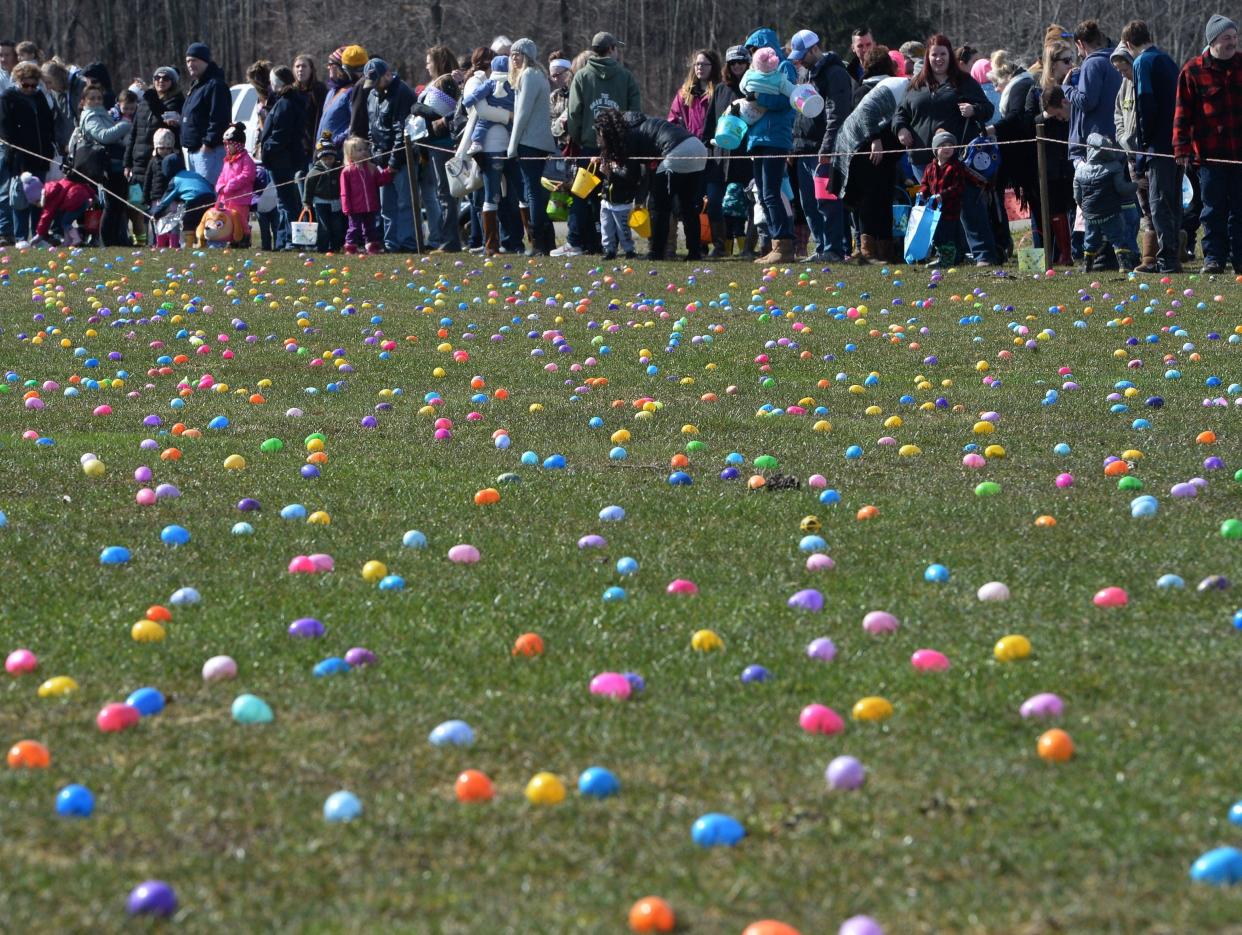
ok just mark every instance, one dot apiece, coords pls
pixel 820 719
pixel 1111 597
pixel 463 554
pixel 20 661
pixel 929 660
pixel 880 621
pixel 611 684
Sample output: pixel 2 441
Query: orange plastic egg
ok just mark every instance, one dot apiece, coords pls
pixel 652 914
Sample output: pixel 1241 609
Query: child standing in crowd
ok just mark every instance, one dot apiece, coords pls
pixel 1102 190
pixel 616 207
pixel 360 185
pixel 322 196
pixel 945 177
pixel 235 186
pixel 162 167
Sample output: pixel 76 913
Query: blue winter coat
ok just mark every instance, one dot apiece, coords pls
pixel 1092 95
pixel 774 130
pixel 186 186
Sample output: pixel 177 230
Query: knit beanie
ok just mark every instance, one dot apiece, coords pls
pixel 500 65
pixel 526 47
pixel 764 61
pixel 943 138
pixel 201 51
pixel 1217 25
pixel 164 137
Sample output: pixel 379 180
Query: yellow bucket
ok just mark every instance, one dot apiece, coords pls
pixel 585 182
pixel 640 222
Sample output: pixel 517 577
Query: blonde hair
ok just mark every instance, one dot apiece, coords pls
pixel 515 73
pixel 356 149
pixel 1053 51
pixel 1003 68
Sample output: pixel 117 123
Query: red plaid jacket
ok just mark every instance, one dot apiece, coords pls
pixel 947 181
pixel 1207 123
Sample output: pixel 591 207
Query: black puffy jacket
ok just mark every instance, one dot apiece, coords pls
pixel 149 118
pixel 833 82
pixel 387 109
pixel 651 137
pixel 26 121
pixel 283 140
pixel 207 110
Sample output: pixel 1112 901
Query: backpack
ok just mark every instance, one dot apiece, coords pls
pixel 981 159
pixel 86 160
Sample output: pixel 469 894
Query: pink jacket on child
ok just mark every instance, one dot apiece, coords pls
pixel 235 186
pixel 360 185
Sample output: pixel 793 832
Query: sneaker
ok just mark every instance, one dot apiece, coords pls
pixel 631 255
pixel 567 250
pixel 611 255
pixel 351 249
pixel 1211 268
pixel 982 263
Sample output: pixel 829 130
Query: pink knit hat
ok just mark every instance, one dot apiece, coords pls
pixel 899 63
pixel 981 69
pixel 765 61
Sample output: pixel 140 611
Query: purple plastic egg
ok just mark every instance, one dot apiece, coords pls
pixel 306 628
pixel 845 772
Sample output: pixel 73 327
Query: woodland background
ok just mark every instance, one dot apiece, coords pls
pixel 133 37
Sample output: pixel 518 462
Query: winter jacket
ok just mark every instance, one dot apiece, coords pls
pixel 97 126
pixel 1125 117
pixel 948 181
pixel 1012 106
pixel 558 102
pixel 532 114
pixel 1101 186
pixel 926 110
pixel 833 82
pixel 693 116
pixel 159 175
pixel 63 121
pixel 1056 132
pixel 622 184
pixel 650 137
pixel 386 113
pixel 360 185
pixel 282 142
pixel 480 99
pixel 187 187
pixel 601 82
pixel 26 121
pixel 62 197
pixel 322 183
pixel 313 96
pixel 1155 95
pixel 147 119
pixel 235 185
pixel 1092 93
pixel 336 113
pixel 872 119
pixel 774 130
pixel 207 110
pixel 1207 122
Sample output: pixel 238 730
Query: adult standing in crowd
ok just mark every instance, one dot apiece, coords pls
pixel 531 141
pixel 943 97
pixel 818 135
pixel 1048 113
pixel 1155 95
pixel 769 140
pixel 438 100
pixel 601 83
pixel 861 42
pixel 206 114
pixel 1091 89
pixel 344 75
pixel 159 108
pixel 56 84
pixel 389 103
pixel 720 173
pixel 99 129
pixel 501 177
pixel 1207 130
pixel 282 148
pixel 26 122
pixel 691 109
pixel 315 92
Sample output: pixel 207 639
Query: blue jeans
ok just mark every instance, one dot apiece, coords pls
pixel 288 205
pixel 397 215
pixel 429 200
pixel 768 176
pixel 208 163
pixel 446 234
pixel 504 200
pixel 535 196
pixel 825 218
pixel 1221 188
pixel 584 214
pixel 977 224
pixel 1115 230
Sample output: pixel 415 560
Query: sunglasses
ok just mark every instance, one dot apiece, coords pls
pixel 1066 61
pixel 30 85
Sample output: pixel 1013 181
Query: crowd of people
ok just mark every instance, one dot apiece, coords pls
pixel 1139 151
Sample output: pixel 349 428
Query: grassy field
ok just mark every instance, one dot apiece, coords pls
pixel 960 827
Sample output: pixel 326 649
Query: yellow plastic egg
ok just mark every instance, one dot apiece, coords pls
pixel 147 631
pixel 93 468
pixel 893 422
pixel 705 641
pixel 319 518
pixel 373 571
pixel 872 708
pixel 810 524
pixel 1011 648
pixel 983 427
pixel 57 687
pixel 822 425
pixel 994 451
pixel 234 463
pixel 545 789
pixel 909 451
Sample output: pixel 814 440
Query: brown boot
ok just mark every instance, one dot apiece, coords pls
pixel 886 249
pixel 1149 246
pixel 782 252
pixel 526 229
pixel 866 250
pixel 491 232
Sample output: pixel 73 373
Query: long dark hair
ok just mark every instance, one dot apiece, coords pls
pixel 955 75
pixel 611 131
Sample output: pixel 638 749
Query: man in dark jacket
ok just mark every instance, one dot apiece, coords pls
pixel 389 101
pixel 828 74
pixel 25 121
pixel 1155 93
pixel 283 147
pixel 207 112
pixel 1091 89
pixel 159 108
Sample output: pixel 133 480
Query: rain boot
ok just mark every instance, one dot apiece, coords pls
pixel 1088 261
pixel 491 232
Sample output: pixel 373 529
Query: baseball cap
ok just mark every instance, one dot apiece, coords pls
pixel 737 53
pixel 375 69
pixel 802 42
pixel 605 40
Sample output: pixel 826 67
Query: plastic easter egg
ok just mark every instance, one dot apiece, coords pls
pixel 1144 506
pixel 219 668
pixel 152 898
pixel 20 661
pixel 1111 597
pixel 611 685
pixel 717 830
pixel 706 641
pixel 808 599
pixel 1221 866
pixel 614 594
pixel 860 925
pixel 821 649
pixel 1231 529
pixel 1012 648
pixel 652 914
pixel 333 665
pixel 373 571
pixel 29 754
pixel 626 565
pixel 145 496
pixel 414 539
pixel 57 687
pixel 306 628
pixel 473 785
pixel 75 801
pixel 184 597
pixel 1166 582
pixel 818 561
pixel 846 773
pixel 987 489
pixel 598 783
pixel 1043 705
pixel 341 806
pixel 754 673
pixel 242 529
pixel 174 535
pixel 770 927
pixel 545 789
pixel 1235 813
pixel 116 717
pixel 820 719
pixel 611 514
pixel 528 644
pixel 936 574
pixel 451 734
pixel 812 543
pixel 251 709
pixel 93 468
pixel 929 660
pixel 880 621
pixel 271 445
pixel 146 701
pixel 359 656
pixel 234 463
pixel 993 591
pixel 114 555
pixel 463 554
pixel 147 631
pixel 1055 746
pixel 872 708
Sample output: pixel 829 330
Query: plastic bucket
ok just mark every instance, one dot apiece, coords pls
pixel 585 182
pixel 806 101
pixel 729 132
pixel 640 222
pixel 558 206
pixel 823 183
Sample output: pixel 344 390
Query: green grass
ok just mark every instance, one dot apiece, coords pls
pixel 960 827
